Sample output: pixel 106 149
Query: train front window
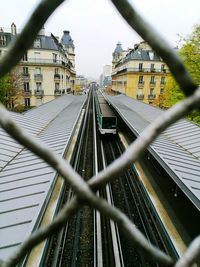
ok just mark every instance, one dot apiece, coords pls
pixel 109 123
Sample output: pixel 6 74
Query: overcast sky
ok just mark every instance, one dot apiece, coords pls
pixel 96 27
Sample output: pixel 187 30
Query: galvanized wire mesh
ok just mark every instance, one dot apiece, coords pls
pixel 85 191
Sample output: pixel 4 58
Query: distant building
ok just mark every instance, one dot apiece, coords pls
pixel 47 68
pixel 80 83
pixel 105 77
pixel 107 70
pixel 139 73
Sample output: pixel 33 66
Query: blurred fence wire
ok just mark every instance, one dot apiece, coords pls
pixel 85 191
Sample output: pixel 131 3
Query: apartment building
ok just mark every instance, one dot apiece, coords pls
pixel 139 73
pixel 47 69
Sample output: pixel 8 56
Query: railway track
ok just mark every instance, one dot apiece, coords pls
pixel 128 196
pixel 89 238
pixel 73 246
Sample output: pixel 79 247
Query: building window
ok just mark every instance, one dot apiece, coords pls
pixel 38 70
pixel 161 91
pixel 56 70
pixel 151 91
pixel 163 68
pixel 26 87
pixel 25 57
pixel 162 81
pixel 37 43
pixel 54 58
pixel 152 81
pixel 57 86
pixel 38 86
pixel 151 55
pixel 37 57
pixel 140 92
pixel 27 102
pixel 2 40
pixel 25 70
pixel 140 66
pixel 141 79
pixel 152 67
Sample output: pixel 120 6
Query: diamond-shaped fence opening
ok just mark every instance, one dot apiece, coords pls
pixel 83 190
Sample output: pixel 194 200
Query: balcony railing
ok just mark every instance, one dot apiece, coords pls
pixel 28 92
pixel 38 77
pixel 141 84
pixel 152 83
pixel 151 96
pixel 162 83
pixel 26 76
pixel 140 70
pixel 57 92
pixel 56 76
pixel 43 61
pixel 140 97
pixel 39 92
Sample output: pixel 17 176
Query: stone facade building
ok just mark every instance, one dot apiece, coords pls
pixel 139 73
pixel 47 68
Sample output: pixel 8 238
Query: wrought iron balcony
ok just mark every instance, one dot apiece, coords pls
pixel 152 83
pixel 57 76
pixel 151 96
pixel 57 92
pixel 38 77
pixel 152 70
pixel 140 97
pixel 142 70
pixel 141 84
pixel 28 92
pixel 162 83
pixel 39 92
pixel 26 76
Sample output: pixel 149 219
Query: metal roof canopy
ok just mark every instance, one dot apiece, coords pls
pixel 26 181
pixel 177 149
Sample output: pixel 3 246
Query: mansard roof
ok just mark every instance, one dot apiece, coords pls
pixel 140 54
pixel 66 39
pixel 118 48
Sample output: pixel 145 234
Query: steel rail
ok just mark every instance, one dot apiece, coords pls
pixel 117 251
pixel 151 230
pixel 98 257
pixel 136 217
pixel 63 234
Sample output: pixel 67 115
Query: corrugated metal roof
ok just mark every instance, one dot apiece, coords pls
pixel 177 148
pixel 26 180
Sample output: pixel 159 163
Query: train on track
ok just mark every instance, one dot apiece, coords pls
pixel 106 118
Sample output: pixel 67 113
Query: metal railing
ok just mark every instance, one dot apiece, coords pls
pixel 140 96
pixel 28 92
pixel 38 92
pixel 38 77
pixel 151 96
pixel 85 191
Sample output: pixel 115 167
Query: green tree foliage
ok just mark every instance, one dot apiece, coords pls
pixel 11 91
pixel 190 54
pixel 5 86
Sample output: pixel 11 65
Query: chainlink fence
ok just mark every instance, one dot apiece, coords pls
pixel 85 191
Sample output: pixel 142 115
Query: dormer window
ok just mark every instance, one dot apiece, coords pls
pixel 37 43
pixel 2 40
pixel 151 55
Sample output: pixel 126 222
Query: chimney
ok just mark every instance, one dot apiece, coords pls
pixel 13 29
